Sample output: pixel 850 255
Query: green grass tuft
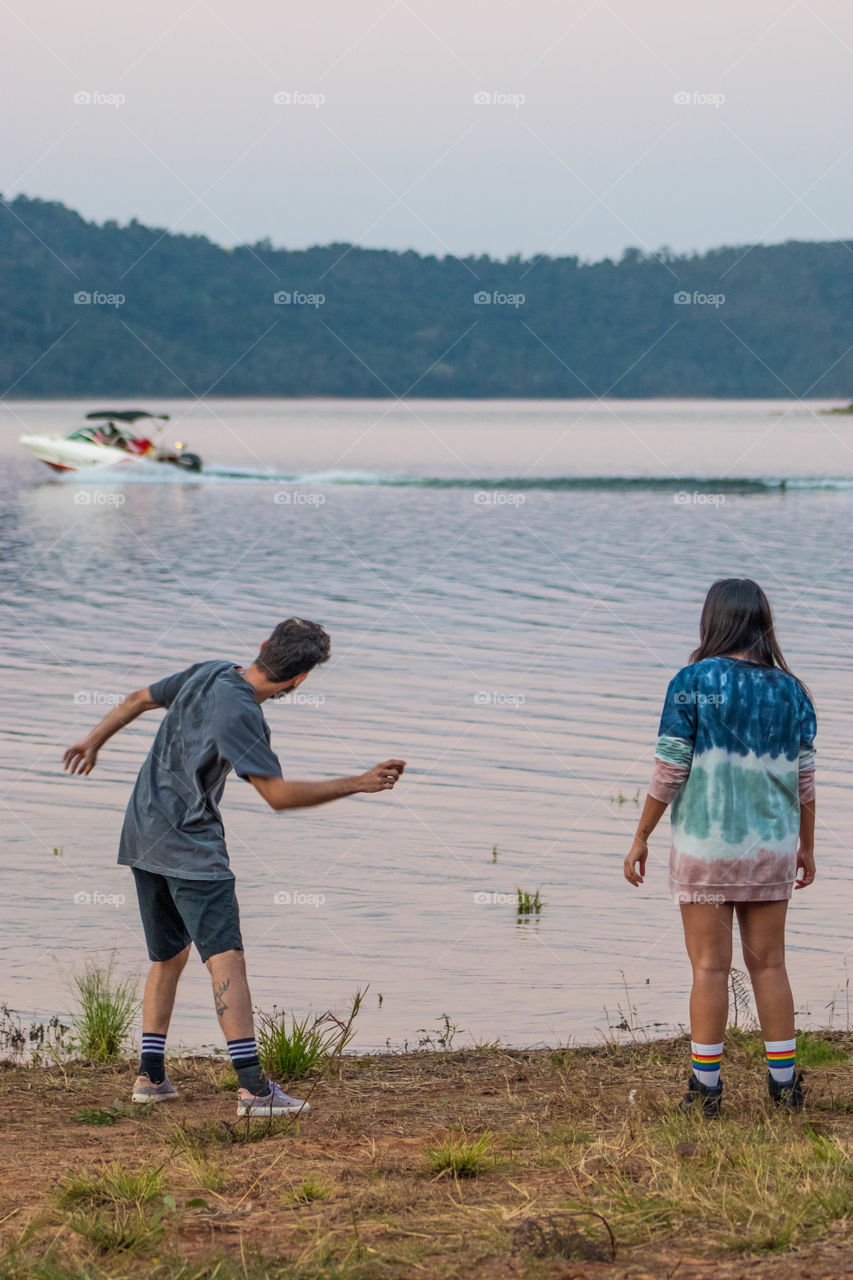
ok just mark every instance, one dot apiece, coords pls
pixel 113 1208
pixel 96 1115
pixel 309 1190
pixel 291 1048
pixel 18 1264
pixel 111 1185
pixel 106 1013
pixel 119 1229
pixel 460 1157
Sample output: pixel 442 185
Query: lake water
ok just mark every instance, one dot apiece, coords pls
pixel 509 587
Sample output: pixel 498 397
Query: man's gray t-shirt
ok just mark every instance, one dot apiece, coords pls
pixel 213 724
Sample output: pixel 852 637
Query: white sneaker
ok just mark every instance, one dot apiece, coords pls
pixel 275 1103
pixel 145 1091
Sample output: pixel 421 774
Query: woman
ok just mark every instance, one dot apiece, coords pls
pixel 735 757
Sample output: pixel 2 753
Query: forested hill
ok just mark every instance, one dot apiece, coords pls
pixel 178 315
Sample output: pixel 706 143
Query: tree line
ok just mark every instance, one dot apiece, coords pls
pixel 109 310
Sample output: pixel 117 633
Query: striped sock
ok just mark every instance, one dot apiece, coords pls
pixel 247 1064
pixel 780 1059
pixel 706 1062
pixel 152 1062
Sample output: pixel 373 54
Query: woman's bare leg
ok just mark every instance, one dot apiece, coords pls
pixel 762 935
pixel 708 935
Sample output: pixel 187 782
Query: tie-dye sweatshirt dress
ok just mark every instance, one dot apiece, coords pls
pixel 735 758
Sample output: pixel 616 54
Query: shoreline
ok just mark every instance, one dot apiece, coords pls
pixel 34 1026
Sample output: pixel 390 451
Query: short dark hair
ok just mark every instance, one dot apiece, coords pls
pixel 294 647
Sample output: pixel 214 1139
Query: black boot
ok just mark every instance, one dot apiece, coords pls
pixel 788 1095
pixel 708 1097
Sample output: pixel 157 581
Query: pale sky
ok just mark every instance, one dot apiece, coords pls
pixel 585 151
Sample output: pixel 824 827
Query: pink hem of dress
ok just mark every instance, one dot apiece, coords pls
pixel 719 893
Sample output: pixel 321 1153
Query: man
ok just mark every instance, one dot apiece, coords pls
pixel 174 842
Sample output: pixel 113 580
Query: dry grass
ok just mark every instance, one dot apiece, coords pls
pixel 439 1164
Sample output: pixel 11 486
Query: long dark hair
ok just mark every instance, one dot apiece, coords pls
pixel 737 618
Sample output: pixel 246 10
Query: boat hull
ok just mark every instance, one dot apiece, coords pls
pixel 70 455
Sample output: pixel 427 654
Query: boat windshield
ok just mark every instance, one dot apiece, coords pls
pixel 105 433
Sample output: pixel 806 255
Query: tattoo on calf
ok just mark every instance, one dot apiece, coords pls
pixel 219 989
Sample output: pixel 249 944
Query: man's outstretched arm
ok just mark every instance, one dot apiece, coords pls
pixel 280 793
pixel 82 756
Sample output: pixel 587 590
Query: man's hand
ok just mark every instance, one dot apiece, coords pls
pixel 80 758
pixel 280 794
pixel 635 863
pixel 382 777
pixel 805 868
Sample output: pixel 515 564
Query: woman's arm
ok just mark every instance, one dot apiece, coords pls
pixel 805 853
pixel 635 863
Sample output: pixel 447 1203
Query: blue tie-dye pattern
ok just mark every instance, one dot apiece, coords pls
pixel 735 820
pixel 719 703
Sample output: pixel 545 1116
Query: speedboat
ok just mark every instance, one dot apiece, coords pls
pixel 106 440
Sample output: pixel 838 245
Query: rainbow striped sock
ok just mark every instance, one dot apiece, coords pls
pixel 780 1059
pixel 707 1059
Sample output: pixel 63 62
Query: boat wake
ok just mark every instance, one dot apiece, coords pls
pixel 141 471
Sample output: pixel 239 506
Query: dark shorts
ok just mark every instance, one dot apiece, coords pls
pixel 176 912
